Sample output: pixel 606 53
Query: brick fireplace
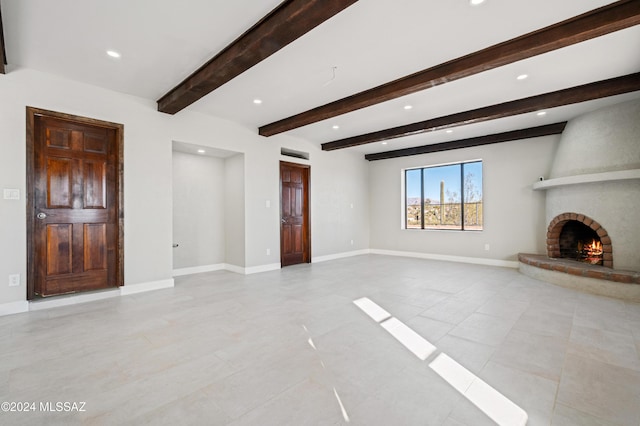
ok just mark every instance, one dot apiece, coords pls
pixel 556 247
pixel 594 180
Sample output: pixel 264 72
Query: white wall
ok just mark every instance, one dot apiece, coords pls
pixel 339 199
pixel 514 214
pixel 148 137
pixel 198 210
pixel 605 140
pixel 147 187
pixel 234 211
pixel 340 193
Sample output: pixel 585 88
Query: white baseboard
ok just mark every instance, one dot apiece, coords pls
pixel 199 269
pixel 234 268
pixel 148 286
pixel 339 255
pixel 72 299
pixel 14 308
pixel 275 266
pixel 262 268
pixel 252 269
pixel 226 267
pixel 449 258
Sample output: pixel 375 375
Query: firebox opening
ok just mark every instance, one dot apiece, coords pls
pixel 580 242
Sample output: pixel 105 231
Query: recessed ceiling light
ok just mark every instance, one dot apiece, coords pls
pixel 113 53
pixel 522 76
pixel 335 127
pixel 257 101
pixel 475 2
pixel 201 151
pixel 407 107
pixel 541 113
pixel 449 131
pixel 384 143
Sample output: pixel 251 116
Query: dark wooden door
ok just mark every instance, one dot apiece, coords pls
pixel 75 204
pixel 295 244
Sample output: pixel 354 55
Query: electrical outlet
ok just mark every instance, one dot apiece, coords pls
pixel 486 247
pixel 14 280
pixel 268 252
pixel 351 242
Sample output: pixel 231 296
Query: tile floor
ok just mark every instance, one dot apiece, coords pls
pixel 290 347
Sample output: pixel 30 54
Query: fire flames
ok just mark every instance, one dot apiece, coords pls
pixel 594 249
pixel 592 252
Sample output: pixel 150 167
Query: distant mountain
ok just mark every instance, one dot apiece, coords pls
pixel 415 201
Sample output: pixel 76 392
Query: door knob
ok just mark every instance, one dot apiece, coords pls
pixel 283 220
pixel 41 216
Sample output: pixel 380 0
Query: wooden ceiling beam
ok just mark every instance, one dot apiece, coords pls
pixel 286 23
pixel 531 132
pixel 3 52
pixel 573 95
pixel 598 22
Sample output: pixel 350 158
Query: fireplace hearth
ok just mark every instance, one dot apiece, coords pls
pixel 580 256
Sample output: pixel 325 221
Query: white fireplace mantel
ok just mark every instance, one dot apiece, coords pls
pixel 589 178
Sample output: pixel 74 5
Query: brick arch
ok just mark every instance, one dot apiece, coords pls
pixel 555 226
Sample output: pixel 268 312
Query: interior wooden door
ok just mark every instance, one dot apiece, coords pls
pixel 295 242
pixel 75 231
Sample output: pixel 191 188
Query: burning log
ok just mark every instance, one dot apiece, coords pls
pixel 591 252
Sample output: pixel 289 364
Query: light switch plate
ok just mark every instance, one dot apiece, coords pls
pixel 14 280
pixel 11 194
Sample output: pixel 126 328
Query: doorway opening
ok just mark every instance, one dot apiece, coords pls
pixel 208 208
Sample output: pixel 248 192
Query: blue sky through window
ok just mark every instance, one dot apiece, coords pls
pixel 413 183
pixel 451 177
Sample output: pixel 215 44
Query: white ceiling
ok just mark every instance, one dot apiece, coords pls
pixel 370 43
